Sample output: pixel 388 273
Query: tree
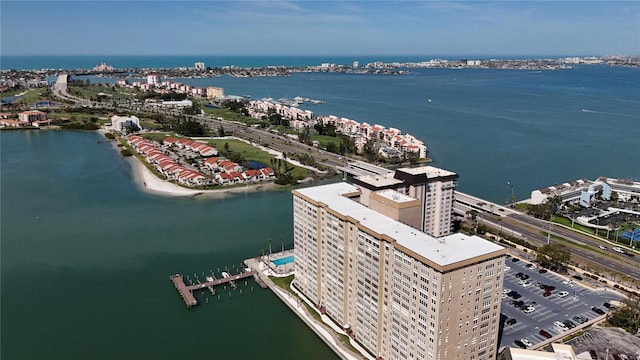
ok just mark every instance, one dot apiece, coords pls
pixel 226 147
pixel 221 131
pixel 190 128
pixel 627 316
pixel 553 255
pixel 194 109
pixel 554 203
pixel 273 117
pixel 331 147
pixel 132 128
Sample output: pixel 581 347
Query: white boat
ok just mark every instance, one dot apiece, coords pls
pixel 209 278
pixel 225 274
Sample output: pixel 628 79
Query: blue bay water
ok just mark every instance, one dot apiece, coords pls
pixel 86 259
pixel 86 256
pixel 530 128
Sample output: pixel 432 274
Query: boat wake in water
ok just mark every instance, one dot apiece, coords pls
pixel 608 113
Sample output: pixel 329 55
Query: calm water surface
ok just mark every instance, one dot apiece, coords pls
pixel 86 259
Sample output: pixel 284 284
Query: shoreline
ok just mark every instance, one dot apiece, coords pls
pixel 149 183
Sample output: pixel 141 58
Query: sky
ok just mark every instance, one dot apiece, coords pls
pixel 350 27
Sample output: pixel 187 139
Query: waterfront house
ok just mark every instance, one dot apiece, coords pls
pixel 253 175
pixel 224 178
pixel 12 123
pixel 212 163
pixel 268 172
pixel 32 115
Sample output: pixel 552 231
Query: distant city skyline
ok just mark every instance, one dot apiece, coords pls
pixel 320 28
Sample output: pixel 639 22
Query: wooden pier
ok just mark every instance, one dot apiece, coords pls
pixel 186 291
pixel 187 296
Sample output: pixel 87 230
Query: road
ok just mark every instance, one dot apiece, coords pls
pixel 511 222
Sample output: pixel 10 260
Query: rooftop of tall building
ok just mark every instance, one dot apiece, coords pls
pixel 443 251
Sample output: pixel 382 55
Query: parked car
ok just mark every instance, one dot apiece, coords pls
pixel 529 265
pixel 560 325
pixel 593 354
pixel 542 271
pixel 520 344
pixel 529 310
pixel 608 306
pixel 577 277
pixel 597 310
pixel 563 293
pixel 602 247
pixel 519 275
pixel 545 333
pixel 524 277
pixel 517 303
pixel 549 287
pixel 546 293
pixel 526 342
pixel 580 319
pixel 506 291
pixel 511 321
pixel 515 260
pixel 570 324
pixel 515 295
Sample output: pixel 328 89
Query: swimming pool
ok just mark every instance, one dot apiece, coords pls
pixel 284 260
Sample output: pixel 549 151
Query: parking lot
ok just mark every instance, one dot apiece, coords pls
pixel 566 299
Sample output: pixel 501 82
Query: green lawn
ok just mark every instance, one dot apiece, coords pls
pixel 283 282
pixel 230 115
pixel 249 151
pixel 252 153
pixel 85 93
pixel 31 96
pixel 324 140
pixel 567 222
pixel 157 136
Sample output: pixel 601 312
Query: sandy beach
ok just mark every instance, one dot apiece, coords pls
pixel 150 183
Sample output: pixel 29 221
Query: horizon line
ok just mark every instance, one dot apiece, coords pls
pixel 319 55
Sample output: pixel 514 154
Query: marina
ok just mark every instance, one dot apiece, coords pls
pixel 277 264
pixel 186 291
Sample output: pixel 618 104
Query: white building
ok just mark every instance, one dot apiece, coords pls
pixel 399 292
pixel 573 190
pixel 153 79
pixel 121 123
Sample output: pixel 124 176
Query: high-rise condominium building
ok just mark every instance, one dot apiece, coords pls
pixel 401 293
pixel 434 188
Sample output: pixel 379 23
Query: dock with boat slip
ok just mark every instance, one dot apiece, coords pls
pixel 186 291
